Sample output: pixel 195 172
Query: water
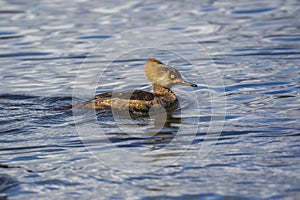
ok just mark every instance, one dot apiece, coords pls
pixel 255 46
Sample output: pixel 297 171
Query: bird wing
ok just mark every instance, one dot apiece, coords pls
pixel 126 95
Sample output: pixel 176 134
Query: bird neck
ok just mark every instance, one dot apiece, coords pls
pixel 165 97
pixel 161 91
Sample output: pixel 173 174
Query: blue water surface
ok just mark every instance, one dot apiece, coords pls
pixel 256 48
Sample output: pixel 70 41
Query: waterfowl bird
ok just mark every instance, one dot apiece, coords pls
pixel 139 102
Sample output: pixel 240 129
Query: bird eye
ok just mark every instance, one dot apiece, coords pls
pixel 172 76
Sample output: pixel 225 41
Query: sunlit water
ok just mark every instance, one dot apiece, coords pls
pixel 255 46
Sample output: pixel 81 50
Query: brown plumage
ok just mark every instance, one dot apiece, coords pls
pixel 139 102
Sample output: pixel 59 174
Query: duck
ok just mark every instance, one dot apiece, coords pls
pixel 140 102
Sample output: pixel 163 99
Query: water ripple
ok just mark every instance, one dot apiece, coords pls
pixel 255 46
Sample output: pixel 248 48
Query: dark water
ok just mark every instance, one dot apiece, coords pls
pixel 46 154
